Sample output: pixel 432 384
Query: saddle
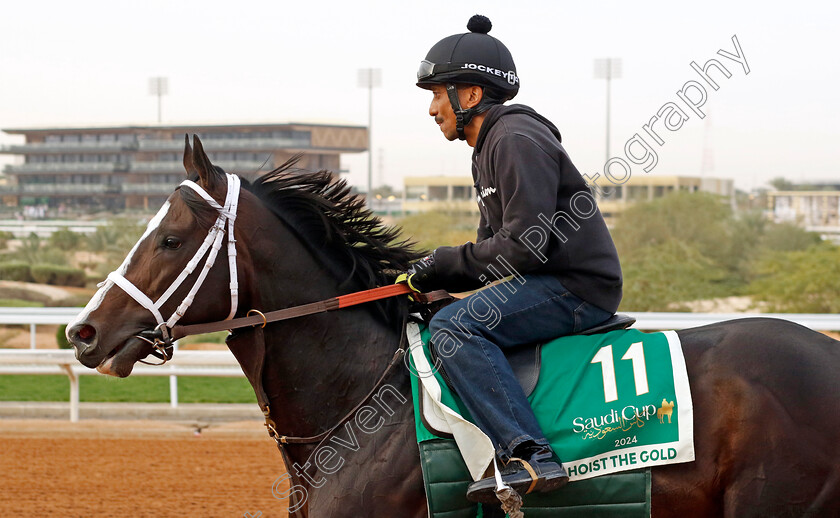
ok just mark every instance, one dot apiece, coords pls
pixel 525 359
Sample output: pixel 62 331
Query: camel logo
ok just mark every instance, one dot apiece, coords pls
pixel 665 410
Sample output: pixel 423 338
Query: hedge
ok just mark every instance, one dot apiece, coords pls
pixel 15 271
pixel 58 275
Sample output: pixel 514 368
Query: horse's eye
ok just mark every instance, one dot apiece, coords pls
pixel 172 243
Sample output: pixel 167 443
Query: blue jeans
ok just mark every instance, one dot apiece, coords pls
pixel 469 336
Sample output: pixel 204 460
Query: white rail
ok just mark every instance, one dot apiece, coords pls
pixel 659 321
pixel 644 320
pixel 222 363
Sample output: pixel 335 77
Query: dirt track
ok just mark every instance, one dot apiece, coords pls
pixel 136 468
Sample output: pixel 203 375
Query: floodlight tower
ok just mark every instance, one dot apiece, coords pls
pixel 159 86
pixel 609 69
pixel 370 78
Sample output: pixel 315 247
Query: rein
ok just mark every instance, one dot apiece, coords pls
pixel 331 304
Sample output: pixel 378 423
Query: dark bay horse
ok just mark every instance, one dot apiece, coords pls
pixel 766 392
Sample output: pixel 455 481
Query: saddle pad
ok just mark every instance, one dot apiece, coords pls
pixel 607 403
pixel 445 477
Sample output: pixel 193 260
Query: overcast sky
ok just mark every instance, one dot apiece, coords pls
pixel 88 62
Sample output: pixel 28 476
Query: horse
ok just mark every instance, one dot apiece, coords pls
pixel 766 392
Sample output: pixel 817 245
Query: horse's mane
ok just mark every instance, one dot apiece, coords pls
pixel 340 231
pixel 337 225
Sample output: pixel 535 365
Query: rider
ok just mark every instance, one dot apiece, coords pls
pixel 538 223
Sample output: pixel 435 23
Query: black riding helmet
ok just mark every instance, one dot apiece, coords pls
pixel 473 58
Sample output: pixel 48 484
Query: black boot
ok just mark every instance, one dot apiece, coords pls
pixel 533 470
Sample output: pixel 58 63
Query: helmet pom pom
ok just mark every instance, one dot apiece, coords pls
pixel 480 24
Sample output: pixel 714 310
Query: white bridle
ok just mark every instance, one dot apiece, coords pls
pixel 213 242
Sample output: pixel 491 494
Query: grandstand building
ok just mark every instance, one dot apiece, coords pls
pixel 137 167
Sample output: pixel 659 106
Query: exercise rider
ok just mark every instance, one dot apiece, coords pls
pixel 567 276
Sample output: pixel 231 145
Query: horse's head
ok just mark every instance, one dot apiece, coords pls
pixel 130 315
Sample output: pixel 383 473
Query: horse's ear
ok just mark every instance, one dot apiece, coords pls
pixel 189 166
pixel 209 177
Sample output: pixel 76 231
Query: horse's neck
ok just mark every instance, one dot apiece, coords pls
pixel 317 370
pixel 331 366
pixel 320 367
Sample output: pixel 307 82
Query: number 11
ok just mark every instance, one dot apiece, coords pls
pixel 636 354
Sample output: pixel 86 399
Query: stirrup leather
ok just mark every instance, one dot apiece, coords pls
pixel 530 470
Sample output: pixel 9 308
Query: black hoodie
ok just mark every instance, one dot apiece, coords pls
pixel 537 214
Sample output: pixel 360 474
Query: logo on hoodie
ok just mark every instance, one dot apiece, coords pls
pixel 484 192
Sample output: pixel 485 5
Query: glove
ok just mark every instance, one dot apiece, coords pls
pixel 421 275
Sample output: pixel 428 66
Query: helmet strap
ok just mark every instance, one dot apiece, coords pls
pixel 464 117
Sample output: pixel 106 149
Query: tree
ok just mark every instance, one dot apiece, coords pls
pixel 657 276
pixel 691 246
pixel 65 239
pixel 433 229
pixel 803 281
pixel 787 237
pixel 701 220
pixel 781 184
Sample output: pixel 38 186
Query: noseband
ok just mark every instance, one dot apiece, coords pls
pixel 160 338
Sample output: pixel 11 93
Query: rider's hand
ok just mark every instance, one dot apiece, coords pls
pixel 421 275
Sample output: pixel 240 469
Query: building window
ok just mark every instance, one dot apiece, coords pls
pixel 461 192
pixel 303 136
pixel 437 192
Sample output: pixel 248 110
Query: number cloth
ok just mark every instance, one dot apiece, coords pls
pixel 607 403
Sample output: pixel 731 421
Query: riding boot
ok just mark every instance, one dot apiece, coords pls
pixel 532 469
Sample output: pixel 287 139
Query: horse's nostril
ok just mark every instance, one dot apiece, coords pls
pixel 86 333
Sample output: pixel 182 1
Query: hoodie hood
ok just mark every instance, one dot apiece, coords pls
pixel 498 111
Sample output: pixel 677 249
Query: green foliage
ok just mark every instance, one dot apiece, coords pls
pixel 5 237
pixel 691 246
pixel 65 239
pixel 15 271
pixel 34 250
pixel 657 276
pixel 805 281
pixel 20 303
pixel 119 234
pixel 787 237
pixel 433 229
pixel 209 338
pixel 58 275
pixel 61 338
pixel 782 184
pixel 115 240
pixel 697 218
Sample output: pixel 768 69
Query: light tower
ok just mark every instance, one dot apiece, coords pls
pixel 370 78
pixel 609 69
pixel 159 86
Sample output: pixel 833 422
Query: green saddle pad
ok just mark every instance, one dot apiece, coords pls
pixel 611 405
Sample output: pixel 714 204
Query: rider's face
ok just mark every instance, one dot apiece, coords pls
pixel 441 110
